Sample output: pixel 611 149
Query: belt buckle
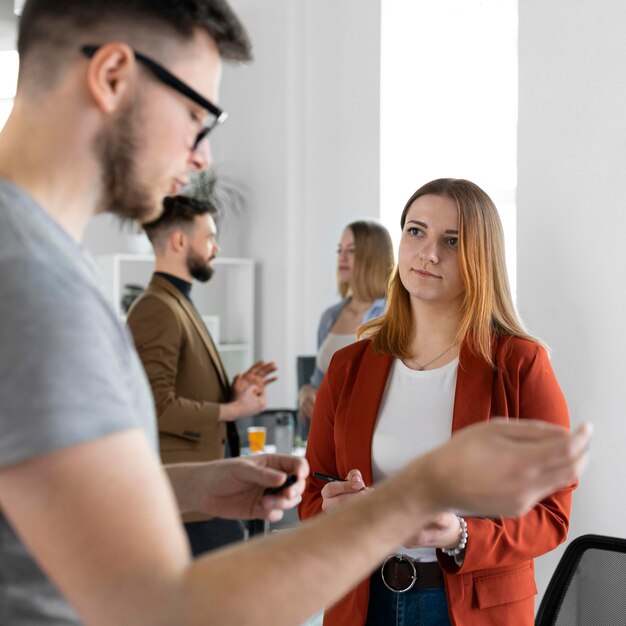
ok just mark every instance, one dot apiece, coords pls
pixel 403 576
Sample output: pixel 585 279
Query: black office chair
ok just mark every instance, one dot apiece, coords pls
pixel 305 365
pixel 588 587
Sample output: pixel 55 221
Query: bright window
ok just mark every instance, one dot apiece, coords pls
pixel 449 103
pixel 8 80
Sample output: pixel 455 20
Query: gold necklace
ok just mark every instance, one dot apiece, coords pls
pixel 421 368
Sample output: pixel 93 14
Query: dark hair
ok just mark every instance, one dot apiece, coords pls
pixel 56 28
pixel 178 211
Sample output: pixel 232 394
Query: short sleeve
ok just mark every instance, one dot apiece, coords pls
pixel 65 362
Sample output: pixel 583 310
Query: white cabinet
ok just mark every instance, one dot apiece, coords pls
pixel 226 302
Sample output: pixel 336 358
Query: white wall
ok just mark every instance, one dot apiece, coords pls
pixel 8 25
pixel 304 137
pixel 571 259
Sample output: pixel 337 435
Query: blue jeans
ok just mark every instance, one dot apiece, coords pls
pixel 415 607
pixel 211 534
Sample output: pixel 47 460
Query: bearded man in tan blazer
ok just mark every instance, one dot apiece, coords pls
pixel 195 402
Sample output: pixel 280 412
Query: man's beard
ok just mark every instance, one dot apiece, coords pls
pixel 198 267
pixel 116 149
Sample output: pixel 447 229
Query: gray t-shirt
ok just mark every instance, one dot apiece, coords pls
pixel 68 374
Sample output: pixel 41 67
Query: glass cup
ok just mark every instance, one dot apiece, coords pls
pixel 256 438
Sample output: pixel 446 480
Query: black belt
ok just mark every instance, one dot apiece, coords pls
pixel 401 573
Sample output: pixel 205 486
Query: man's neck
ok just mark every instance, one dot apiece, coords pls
pixel 168 266
pixel 182 285
pixel 63 179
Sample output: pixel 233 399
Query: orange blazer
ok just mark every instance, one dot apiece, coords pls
pixel 495 585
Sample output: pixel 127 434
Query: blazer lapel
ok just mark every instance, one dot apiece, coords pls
pixel 369 387
pixel 195 318
pixel 163 285
pixel 474 390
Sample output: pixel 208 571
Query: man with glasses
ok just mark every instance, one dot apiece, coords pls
pixel 108 116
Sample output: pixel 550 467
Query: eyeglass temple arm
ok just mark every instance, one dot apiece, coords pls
pixel 169 79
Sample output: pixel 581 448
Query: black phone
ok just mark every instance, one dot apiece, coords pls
pixel 270 491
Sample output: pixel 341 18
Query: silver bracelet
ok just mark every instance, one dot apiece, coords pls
pixel 462 541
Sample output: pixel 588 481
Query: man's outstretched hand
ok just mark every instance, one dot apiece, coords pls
pixel 258 374
pixel 503 467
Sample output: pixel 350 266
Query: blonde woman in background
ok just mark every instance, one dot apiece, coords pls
pixel 364 263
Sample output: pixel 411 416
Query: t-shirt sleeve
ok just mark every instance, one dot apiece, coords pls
pixel 64 364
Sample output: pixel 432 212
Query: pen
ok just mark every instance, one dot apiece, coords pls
pixel 327 478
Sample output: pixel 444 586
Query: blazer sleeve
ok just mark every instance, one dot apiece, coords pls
pixel 158 336
pixel 501 542
pixel 320 449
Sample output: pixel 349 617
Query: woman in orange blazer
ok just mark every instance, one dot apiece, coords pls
pixel 450 351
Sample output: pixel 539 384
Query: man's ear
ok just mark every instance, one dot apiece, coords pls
pixel 177 240
pixel 110 74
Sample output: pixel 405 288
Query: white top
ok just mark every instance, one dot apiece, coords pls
pixel 330 345
pixel 415 417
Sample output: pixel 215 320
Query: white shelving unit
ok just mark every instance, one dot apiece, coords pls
pixel 225 302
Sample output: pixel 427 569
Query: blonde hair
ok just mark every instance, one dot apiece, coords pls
pixel 487 308
pixel 373 261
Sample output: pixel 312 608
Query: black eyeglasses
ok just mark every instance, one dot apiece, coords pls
pixel 167 78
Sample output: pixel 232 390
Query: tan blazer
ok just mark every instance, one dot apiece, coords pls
pixel 186 374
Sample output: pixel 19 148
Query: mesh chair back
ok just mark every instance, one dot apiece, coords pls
pixel 588 587
pixel 305 366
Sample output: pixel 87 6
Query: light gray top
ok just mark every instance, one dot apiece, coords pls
pixel 330 345
pixel 68 374
pixel 329 317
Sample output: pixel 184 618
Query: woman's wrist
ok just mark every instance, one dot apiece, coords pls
pixel 460 546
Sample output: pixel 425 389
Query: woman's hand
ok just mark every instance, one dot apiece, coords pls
pixel 306 402
pixel 337 493
pixel 444 531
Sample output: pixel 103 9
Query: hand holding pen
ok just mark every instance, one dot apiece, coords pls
pixel 327 478
pixel 340 490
